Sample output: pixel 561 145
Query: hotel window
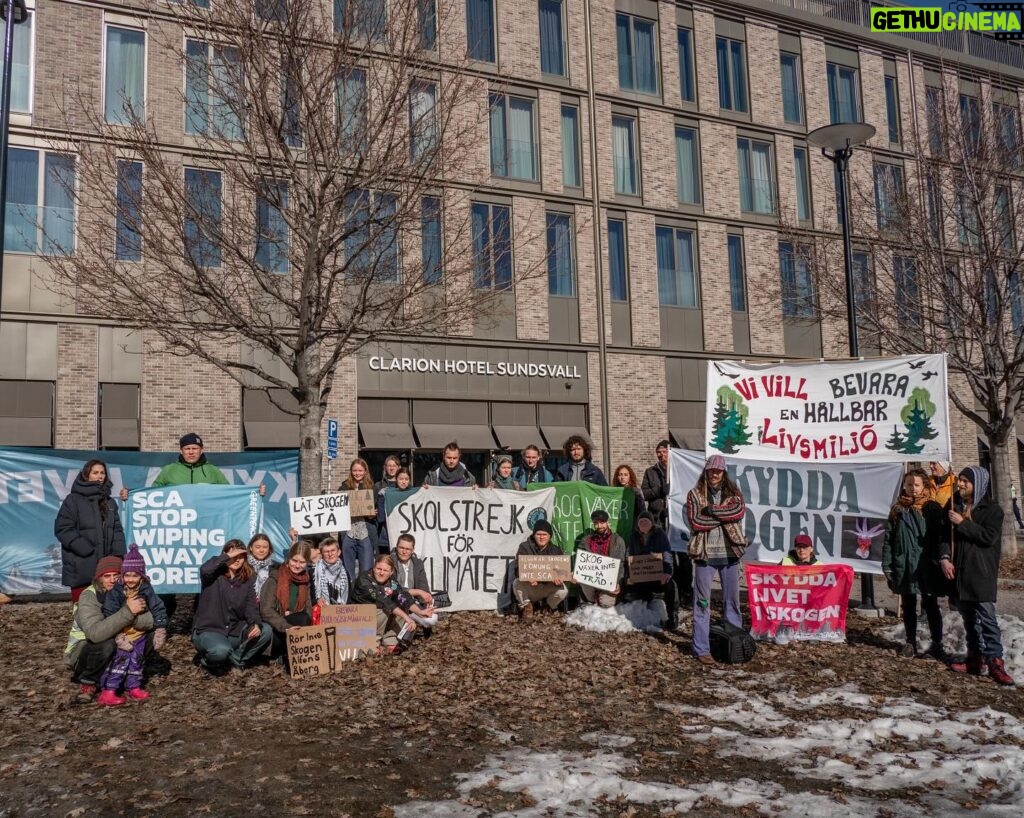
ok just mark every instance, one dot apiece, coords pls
pixel 1004 219
pixel 124 75
pixel 798 299
pixel 687 166
pixel 801 171
pixel 970 123
pixel 638 53
pixel 351 106
pixel 617 275
pixel 371 237
pixel 892 108
pixel 21 66
pixel 366 19
pixel 934 110
pixel 933 203
pixel 906 291
pixel 843 95
pixel 271 227
pixel 889 194
pixel 513 151
pixel 677 279
pixel 423 135
pixel 40 208
pixel 792 92
pixel 737 285
pixel 687 78
pixel 732 74
pixel 1007 133
pixel 572 172
pixel 624 158
pixel 480 30
pixel 202 217
pixel 128 226
pixel 426 12
pixel 551 14
pixel 213 79
pixel 291 102
pixel 757 176
pixel 119 415
pixel 492 246
pixel 863 285
pixel 561 270
pixel 967 229
pixel 430 234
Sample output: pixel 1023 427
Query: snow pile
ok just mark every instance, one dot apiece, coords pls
pixel 626 618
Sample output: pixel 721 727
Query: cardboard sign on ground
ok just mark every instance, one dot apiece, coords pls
pixel 596 570
pixel 361 503
pixel 320 512
pixel 311 651
pixel 356 629
pixel 544 568
pixel 646 568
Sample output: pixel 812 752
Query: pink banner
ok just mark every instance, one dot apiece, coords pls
pixel 799 602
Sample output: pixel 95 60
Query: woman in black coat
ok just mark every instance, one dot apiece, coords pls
pixel 88 527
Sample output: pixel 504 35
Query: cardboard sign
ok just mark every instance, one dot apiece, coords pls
pixel 536 568
pixel 646 568
pixel 596 570
pixel 362 503
pixel 311 651
pixel 356 629
pixel 322 512
pixel 790 602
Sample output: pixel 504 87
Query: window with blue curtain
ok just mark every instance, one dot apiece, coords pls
pixel 617 277
pixel 367 19
pixel 637 53
pixel 384 229
pixel 792 101
pixel 1004 218
pixel 802 173
pixel 561 273
pixel 351 107
pixel 128 219
pixel 552 36
pixel 291 103
pixel 492 246
pixel 737 282
pixel 124 76
pixel 687 166
pixel 426 18
pixel 58 204
pixel 687 78
pixel 863 285
pixel 512 138
pixel 892 109
pixel 423 135
pixel 889 192
pixel 271 226
pixel 627 179
pixel 572 173
pixel 1007 136
pixel 757 176
pixel 430 235
pixel 843 102
pixel 21 66
pixel 480 29
pixel 970 122
pixel 371 237
pixel 677 281
pixel 213 85
pixel 906 291
pixel 202 217
pixel 21 225
pixel 798 299
pixel 732 74
pixel 934 119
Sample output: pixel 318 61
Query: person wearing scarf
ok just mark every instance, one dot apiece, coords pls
pixel 389 480
pixel 943 481
pixel 260 557
pixel 503 474
pixel 969 557
pixel 395 605
pixel 330 579
pixel 532 470
pixel 286 601
pixel 602 540
pixel 910 559
pixel 451 471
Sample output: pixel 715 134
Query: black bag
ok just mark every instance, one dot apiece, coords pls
pixel 731 645
pixel 441 599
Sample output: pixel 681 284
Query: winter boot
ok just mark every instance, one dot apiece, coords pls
pixel 526 612
pixel 997 671
pixel 973 664
pixel 108 698
pixel 86 693
pixel 137 693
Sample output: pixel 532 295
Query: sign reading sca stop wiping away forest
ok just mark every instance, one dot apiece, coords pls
pixel 889 409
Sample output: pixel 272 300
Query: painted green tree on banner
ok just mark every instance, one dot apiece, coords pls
pixel 917 419
pixel 729 428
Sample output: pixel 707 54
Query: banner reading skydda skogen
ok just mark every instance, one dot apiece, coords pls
pixel 807 603
pixel 884 410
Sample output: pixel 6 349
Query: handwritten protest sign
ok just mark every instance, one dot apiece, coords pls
pixel 646 568
pixel 356 629
pixel 789 602
pixel 311 651
pixel 322 512
pixel 361 503
pixel 596 570
pixel 539 568
pixel 882 410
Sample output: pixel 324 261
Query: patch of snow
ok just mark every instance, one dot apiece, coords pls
pixel 608 740
pixel 625 618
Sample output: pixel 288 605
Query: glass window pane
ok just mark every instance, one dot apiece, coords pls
pixel 687 282
pixel 724 83
pixel 892 109
pixel 357 234
pixel 128 228
pixel 423 136
pixel 427 13
pixel 737 289
pixel 197 94
pixel 617 259
pixel 792 109
pixel 687 81
pixel 560 266
pixel 624 156
pixel 842 94
pixel 272 229
pixel 21 225
pixel 124 75
pixel 522 164
pixel 430 227
pixel 687 166
pixel 552 52
pixel 571 170
pixel 480 29
pixel 646 56
pixel 384 230
pixel 351 105
pixel 803 184
pixel 58 204
pixel 738 69
pixel 624 44
pixel 668 294
pixel 21 66
pixel 502 247
pixel 481 246
pixel 227 94
pixel 202 219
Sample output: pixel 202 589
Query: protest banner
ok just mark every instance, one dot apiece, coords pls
pixel 393 496
pixel 468 537
pixel 646 568
pixel 311 651
pixel 574 503
pixel 355 629
pixel 876 411
pixel 842 508
pixel 34 482
pixel 178 528
pixel 538 568
pixel 807 602
pixel 361 503
pixel 596 570
pixel 320 512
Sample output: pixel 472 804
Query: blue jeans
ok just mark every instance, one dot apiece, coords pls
pixel 351 549
pixel 217 649
pixel 983 636
pixel 703 576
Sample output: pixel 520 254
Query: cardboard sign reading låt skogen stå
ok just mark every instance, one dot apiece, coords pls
pixel 361 503
pixel 311 651
pixel 540 568
pixel 356 629
pixel 646 568
pixel 321 512
pixel 596 570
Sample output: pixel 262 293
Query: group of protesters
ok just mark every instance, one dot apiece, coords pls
pixel 943 539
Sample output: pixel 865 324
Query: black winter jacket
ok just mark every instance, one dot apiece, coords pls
pixel 655 489
pixel 419 572
pixel 589 474
pixel 976 549
pixel 116 598
pixel 84 534
pixel 387 596
pixel 226 606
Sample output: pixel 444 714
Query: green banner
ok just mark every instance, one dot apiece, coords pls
pixel 574 502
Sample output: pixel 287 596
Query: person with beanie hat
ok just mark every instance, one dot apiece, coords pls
pixel 969 557
pixel 943 480
pixel 528 594
pixel 502 478
pixel 602 540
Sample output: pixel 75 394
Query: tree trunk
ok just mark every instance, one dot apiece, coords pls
pixel 310 453
pixel 1001 479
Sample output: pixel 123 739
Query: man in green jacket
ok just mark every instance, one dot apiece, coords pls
pixel 191 466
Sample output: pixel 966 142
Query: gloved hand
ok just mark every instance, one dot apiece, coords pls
pixel 159 638
pixel 123 642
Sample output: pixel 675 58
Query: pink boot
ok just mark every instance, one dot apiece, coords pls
pixel 108 698
pixel 137 693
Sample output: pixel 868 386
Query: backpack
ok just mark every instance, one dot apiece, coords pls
pixel 731 645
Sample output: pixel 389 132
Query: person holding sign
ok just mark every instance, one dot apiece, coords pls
pixel 502 478
pixel 577 451
pixel 531 469
pixel 943 480
pixel 650 540
pixel 715 509
pixel 395 605
pixel 227 629
pixel 286 601
pixel 330 579
pixel 451 471
pixel 411 574
pixel 528 594
pixel 605 542
pixel 389 480
pixel 356 542
pixel 910 559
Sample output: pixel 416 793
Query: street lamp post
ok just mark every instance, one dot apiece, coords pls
pixel 837 143
pixel 13 12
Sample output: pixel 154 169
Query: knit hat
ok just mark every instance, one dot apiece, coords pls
pixel 502 458
pixel 978 478
pixel 107 565
pixel 716 461
pixel 543 525
pixel 134 562
pixel 803 539
pixel 946 465
pixel 191 439
pixel 599 515
pixel 645 515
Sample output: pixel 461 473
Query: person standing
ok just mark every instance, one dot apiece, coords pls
pixel 970 559
pixel 625 477
pixel 451 472
pixel 532 470
pixel 503 478
pixel 356 542
pixel 580 466
pixel 1015 504
pixel 392 465
pixel 655 487
pixel 191 466
pixel 943 480
pixel 715 508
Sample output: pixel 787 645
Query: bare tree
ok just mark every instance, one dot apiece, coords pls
pixel 300 216
pixel 941 238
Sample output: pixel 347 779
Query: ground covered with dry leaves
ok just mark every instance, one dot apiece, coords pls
pixel 403 735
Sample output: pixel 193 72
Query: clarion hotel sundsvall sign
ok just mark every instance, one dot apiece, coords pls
pixel 511 369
